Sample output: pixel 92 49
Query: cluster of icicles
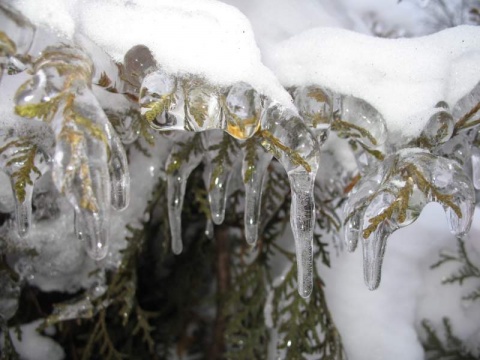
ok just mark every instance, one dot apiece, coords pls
pixel 88 163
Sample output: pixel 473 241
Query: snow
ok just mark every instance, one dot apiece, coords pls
pixel 217 38
pixel 399 77
pixel 34 346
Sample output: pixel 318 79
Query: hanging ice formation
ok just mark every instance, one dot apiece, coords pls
pixel 71 87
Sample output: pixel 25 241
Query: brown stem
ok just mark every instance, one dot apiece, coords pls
pixel 222 260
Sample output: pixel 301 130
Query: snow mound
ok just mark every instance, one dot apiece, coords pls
pixel 399 77
pixel 202 37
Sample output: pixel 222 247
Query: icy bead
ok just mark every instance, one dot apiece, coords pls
pixel 158 98
pixel 255 163
pixel 315 106
pixel 365 120
pixel 242 108
pixel 202 105
pixel 439 127
pixel 178 173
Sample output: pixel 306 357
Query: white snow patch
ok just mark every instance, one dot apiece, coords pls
pixel 34 346
pixel 399 77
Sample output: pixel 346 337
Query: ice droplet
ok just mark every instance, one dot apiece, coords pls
pixel 177 175
pixel 302 219
pixel 439 127
pixel 255 163
pixel 315 106
pixel 242 108
pixel 364 116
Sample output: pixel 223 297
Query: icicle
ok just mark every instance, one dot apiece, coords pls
pixel 255 163
pixel 302 219
pixel 286 136
pixel 476 167
pixel 92 229
pixel 119 173
pixel 209 229
pixel 178 171
pixel 222 154
pixel 373 252
pixel 23 209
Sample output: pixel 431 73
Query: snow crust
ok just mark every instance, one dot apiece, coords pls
pixel 399 77
pixel 203 37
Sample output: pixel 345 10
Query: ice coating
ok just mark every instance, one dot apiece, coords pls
pixel 219 35
pixel 254 168
pixel 281 127
pixel 419 72
pixel 393 197
pixel 177 175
